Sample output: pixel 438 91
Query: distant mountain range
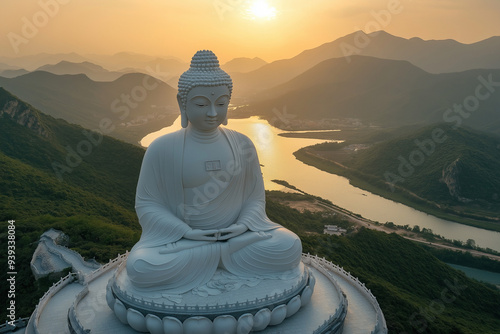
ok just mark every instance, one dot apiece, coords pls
pixel 436 56
pixel 132 106
pixel 376 79
pixel 13 73
pixel 32 62
pixel 110 67
pixel 384 93
pixel 93 71
pixel 243 65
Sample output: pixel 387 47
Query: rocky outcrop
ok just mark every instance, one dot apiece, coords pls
pixel 451 177
pixel 51 257
pixel 24 115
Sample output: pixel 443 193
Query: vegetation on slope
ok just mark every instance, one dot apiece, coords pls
pixel 451 173
pixel 417 292
pixel 63 164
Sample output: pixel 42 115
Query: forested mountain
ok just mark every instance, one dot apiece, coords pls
pixel 434 56
pixel 384 93
pixel 52 167
pixel 131 106
pixel 457 167
pixel 440 168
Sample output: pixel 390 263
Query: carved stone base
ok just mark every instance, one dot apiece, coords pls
pixel 226 304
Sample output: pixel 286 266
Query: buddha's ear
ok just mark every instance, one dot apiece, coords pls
pixel 184 119
pixel 225 121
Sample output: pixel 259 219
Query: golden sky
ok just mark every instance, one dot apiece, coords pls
pixel 270 29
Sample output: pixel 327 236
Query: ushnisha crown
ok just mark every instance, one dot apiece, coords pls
pixel 204 71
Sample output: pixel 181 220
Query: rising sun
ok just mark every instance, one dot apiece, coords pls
pixel 261 10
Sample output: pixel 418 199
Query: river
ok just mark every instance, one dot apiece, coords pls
pixel 276 156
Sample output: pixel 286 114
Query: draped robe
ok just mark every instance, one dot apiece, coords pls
pixel 163 259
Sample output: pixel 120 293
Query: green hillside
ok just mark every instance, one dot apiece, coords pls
pixel 417 292
pixel 68 158
pixel 93 204
pixel 436 168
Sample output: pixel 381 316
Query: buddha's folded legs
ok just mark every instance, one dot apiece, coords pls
pixel 181 266
pixel 177 272
pixel 274 255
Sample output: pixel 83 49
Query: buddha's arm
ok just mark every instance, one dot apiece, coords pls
pixel 154 207
pixel 253 213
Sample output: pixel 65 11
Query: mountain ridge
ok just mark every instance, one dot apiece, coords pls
pixel 381 92
pixel 91 70
pixel 434 56
pixel 135 104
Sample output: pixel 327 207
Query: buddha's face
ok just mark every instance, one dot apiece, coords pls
pixel 206 107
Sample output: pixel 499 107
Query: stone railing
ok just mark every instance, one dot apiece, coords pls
pixel 147 305
pixel 336 320
pixel 106 267
pixel 32 327
pixel 75 326
pixel 11 326
pixel 380 326
pixel 75 253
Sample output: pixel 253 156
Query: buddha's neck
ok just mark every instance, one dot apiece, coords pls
pixel 204 137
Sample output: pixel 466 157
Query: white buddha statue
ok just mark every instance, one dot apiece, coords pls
pixel 200 197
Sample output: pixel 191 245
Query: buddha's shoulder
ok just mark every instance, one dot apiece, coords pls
pixel 168 139
pixel 238 136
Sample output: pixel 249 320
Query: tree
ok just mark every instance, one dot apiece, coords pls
pixel 470 243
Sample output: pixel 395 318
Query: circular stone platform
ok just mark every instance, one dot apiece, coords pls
pixel 324 311
pixel 223 293
pixel 226 304
pixel 84 308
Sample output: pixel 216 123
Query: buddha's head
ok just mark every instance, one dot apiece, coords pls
pixel 204 89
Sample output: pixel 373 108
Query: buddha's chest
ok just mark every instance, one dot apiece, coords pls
pixel 202 163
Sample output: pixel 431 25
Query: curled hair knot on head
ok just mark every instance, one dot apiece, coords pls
pixel 204 71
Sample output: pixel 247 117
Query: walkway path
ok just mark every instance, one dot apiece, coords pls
pixel 56 310
pixel 358 304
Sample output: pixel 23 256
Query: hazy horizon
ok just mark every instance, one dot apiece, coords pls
pixel 268 29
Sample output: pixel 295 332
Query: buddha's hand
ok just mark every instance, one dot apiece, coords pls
pixel 232 231
pixel 202 235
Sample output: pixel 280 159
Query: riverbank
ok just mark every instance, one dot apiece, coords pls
pixel 379 187
pixel 316 204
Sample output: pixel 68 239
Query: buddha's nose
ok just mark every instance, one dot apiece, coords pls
pixel 212 112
